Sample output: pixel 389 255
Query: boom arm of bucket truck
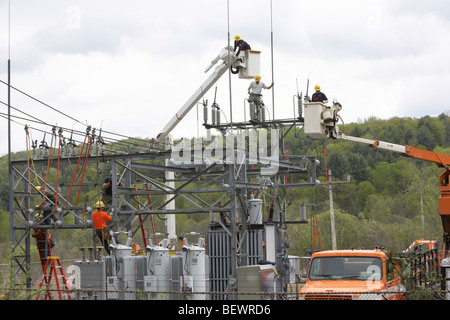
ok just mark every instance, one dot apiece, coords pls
pixel 226 55
pixel 442 160
pixel 321 122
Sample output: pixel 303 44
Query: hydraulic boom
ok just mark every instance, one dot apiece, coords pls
pixel 226 55
pixel 321 122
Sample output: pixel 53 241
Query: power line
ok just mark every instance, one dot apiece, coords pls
pixel 106 139
pixel 41 102
pixel 65 114
pixel 36 120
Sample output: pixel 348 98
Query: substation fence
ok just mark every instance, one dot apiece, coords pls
pixel 138 295
pixel 424 275
pixel 425 269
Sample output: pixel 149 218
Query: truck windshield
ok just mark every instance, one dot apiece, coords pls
pixel 348 268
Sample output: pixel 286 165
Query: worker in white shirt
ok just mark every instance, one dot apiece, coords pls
pixel 257 85
pixel 254 90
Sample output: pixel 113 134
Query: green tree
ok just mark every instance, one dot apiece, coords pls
pixel 339 165
pixel 391 178
pixel 365 189
pixel 358 167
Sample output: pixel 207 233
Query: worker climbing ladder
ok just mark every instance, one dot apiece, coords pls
pixel 54 271
pixel 44 245
pixel 51 268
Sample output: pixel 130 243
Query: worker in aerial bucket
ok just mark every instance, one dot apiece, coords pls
pixel 256 103
pixel 240 45
pixel 319 96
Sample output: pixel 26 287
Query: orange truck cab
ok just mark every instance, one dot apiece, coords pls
pixel 351 275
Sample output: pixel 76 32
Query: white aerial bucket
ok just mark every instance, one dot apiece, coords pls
pixel 251 65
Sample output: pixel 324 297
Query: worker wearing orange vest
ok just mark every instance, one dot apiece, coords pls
pixel 100 218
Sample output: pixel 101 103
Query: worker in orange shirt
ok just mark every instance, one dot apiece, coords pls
pixel 100 218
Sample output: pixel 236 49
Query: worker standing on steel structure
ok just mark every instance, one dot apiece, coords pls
pixel 107 188
pixel 44 210
pixel 44 215
pixel 256 103
pixel 100 218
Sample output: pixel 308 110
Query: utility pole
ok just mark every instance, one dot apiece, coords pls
pixel 170 183
pixel 330 194
pixel 333 226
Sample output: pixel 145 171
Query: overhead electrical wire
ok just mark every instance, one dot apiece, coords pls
pixel 106 139
pixel 56 110
pixel 41 102
pixel 38 121
pixel 106 136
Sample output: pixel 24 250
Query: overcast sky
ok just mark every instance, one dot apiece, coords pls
pixel 128 66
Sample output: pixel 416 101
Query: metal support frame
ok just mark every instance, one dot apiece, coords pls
pixel 232 184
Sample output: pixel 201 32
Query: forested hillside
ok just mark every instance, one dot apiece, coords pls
pixel 390 200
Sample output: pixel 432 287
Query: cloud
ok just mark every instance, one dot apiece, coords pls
pixel 130 66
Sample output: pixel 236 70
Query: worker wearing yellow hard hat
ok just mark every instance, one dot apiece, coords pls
pixel 99 204
pixel 319 96
pixel 44 209
pixel 254 90
pixel 240 45
pixel 257 85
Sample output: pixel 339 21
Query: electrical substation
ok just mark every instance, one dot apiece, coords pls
pixel 242 167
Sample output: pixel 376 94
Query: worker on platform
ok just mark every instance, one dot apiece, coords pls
pixel 319 96
pixel 107 188
pixel 257 85
pixel 240 45
pixel 44 215
pixel 100 218
pixel 254 90
pixel 44 210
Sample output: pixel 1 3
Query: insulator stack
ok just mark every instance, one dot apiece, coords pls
pixel 213 115
pixel 252 110
pixel 217 115
pixel 205 114
pixel 300 107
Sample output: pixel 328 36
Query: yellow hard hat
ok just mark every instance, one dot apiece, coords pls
pixel 39 189
pixel 99 204
pixel 258 77
pixel 317 87
pixel 237 37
